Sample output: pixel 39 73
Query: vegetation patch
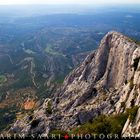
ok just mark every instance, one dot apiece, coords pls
pixel 49 108
pixel 135 64
pixel 34 123
pixel 122 104
pixel 58 133
pixel 3 79
pixel 103 124
pixel 131 84
pixel 7 117
pixel 136 41
pixel 60 79
pixel 132 112
pixel 111 102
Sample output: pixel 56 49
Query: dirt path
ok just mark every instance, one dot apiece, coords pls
pixel 11 61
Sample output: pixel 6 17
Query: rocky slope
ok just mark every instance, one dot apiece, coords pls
pixel 107 82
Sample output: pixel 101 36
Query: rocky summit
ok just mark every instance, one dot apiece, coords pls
pixel 107 82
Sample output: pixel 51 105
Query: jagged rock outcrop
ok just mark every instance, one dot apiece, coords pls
pixel 107 78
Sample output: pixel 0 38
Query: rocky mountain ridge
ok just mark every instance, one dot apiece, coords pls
pixel 107 82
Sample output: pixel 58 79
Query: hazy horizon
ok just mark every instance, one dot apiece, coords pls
pixel 56 2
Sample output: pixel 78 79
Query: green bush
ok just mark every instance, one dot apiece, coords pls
pixel 136 62
pixel 132 102
pixel 132 112
pixel 131 85
pixel 112 124
pixel 136 41
pixel 103 124
pixel 111 102
pixel 117 123
pixel 125 82
pixel 49 108
pixel 58 133
pixel 123 104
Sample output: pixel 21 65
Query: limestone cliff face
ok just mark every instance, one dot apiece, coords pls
pixel 106 78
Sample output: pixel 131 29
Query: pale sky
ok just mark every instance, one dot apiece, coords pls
pixel 69 1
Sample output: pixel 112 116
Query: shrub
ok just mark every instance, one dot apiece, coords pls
pixel 136 62
pixel 83 129
pixel 49 108
pixel 117 123
pixel 125 82
pixel 135 95
pixel 112 124
pixel 132 102
pixel 34 123
pixel 103 124
pixel 135 40
pixel 131 85
pixel 123 104
pixel 58 133
pixel 132 112
pixel 111 102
